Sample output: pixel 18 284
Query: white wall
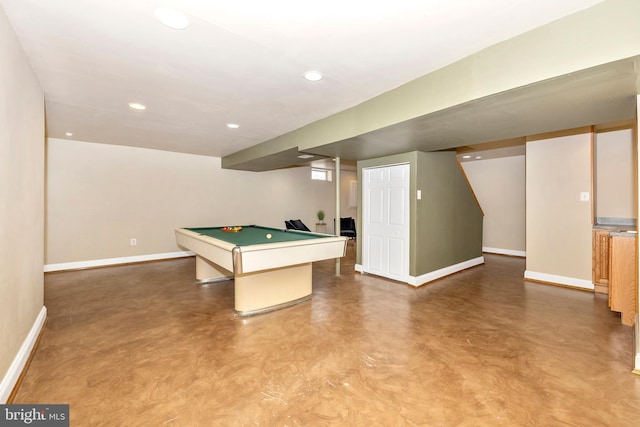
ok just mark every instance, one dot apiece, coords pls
pixel 346 208
pixel 559 225
pixel 636 139
pixel 615 177
pixel 100 196
pixel 21 208
pixel 499 185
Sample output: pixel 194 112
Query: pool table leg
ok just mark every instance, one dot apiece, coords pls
pixel 269 290
pixel 207 272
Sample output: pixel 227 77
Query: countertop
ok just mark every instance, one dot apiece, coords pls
pixel 626 227
pixel 617 227
pixel 624 233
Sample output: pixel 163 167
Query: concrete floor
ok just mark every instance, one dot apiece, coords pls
pixel 143 345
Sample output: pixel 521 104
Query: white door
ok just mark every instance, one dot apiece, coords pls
pixel 385 228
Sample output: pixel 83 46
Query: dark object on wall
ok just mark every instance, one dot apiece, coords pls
pixel 348 227
pixel 296 224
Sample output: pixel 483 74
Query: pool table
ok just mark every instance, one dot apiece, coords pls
pixel 271 267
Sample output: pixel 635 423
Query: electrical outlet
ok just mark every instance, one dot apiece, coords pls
pixel 134 242
pixel 584 196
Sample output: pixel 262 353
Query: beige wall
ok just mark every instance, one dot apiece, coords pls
pixel 346 178
pixel 21 201
pixel 558 223
pixel 100 196
pixel 615 177
pixel 499 185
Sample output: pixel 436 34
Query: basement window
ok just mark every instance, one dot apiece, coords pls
pixel 320 174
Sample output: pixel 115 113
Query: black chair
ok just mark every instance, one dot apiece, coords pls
pixel 296 224
pixel 348 227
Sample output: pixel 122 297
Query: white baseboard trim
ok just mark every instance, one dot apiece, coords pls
pixel 19 362
pixel 636 368
pixel 434 275
pixel 114 261
pixel 560 280
pixel 438 274
pixel 499 251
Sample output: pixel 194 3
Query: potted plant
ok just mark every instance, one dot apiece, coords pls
pixel 321 216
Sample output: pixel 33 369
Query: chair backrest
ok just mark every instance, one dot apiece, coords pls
pixel 347 227
pixel 296 224
pixel 347 223
pixel 288 225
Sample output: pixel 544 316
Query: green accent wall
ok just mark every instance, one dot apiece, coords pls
pixel 446 224
pixel 448 219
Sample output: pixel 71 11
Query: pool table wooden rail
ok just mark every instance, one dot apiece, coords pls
pixel 214 250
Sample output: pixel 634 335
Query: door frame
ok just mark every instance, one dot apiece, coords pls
pixel 407 231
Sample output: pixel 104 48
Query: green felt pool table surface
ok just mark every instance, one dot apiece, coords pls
pixel 256 235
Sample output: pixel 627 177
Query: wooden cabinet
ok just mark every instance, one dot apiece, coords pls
pixel 600 255
pixel 623 296
pixel 615 268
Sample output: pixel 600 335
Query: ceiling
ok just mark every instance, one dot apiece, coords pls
pixel 243 62
pixel 596 95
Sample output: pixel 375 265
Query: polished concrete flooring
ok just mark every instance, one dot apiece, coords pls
pixel 143 345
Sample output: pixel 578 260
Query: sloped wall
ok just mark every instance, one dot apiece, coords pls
pixel 499 185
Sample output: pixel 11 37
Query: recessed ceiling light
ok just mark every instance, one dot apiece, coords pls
pixel 137 106
pixel 172 18
pixel 313 76
pixel 305 156
pixel 478 157
pixel 69 133
pixel 466 156
pixel 233 126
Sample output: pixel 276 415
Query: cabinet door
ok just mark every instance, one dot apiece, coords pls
pixel 600 258
pixel 622 296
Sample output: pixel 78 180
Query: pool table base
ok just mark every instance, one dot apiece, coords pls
pixel 269 290
pixel 208 272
